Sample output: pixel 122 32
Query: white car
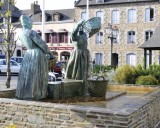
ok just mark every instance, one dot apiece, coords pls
pixel 17 59
pixel 15 67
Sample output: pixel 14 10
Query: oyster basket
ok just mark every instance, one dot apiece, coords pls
pixel 92 25
pixel 97 87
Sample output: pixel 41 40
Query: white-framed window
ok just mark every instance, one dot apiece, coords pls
pixel 149 14
pixel 131 37
pixel 1 38
pixel 148 34
pixel 100 14
pixel 115 17
pixel 84 15
pixel 132 17
pixel 116 40
pixel 131 59
pixel 98 58
pixel 99 38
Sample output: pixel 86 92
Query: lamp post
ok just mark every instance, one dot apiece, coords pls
pixel 112 32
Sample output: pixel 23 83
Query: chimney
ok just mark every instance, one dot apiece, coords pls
pixel 35 8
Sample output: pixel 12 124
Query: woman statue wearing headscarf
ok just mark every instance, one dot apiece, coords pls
pixel 78 63
pixel 33 76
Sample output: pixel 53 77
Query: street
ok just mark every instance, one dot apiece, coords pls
pixel 13 77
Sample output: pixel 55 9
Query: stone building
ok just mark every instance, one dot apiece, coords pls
pixel 58 26
pixel 136 21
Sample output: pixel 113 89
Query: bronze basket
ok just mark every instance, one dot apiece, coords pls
pixel 92 25
pixel 97 87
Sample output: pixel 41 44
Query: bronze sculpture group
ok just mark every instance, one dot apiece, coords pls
pixel 33 76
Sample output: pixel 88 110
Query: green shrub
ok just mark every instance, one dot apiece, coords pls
pixel 140 71
pixel 96 68
pixel 147 80
pixel 125 74
pixel 154 70
pixel 100 68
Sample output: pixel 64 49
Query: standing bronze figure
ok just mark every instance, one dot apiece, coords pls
pixel 33 76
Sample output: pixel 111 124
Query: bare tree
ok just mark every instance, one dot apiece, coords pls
pixel 7 29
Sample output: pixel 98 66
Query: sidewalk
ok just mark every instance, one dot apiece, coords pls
pixel 13 85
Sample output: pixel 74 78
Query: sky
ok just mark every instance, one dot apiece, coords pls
pixel 49 4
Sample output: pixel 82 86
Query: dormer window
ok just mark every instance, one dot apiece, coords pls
pixel 56 16
pixel 99 1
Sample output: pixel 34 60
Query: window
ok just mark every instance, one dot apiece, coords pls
pixel 63 37
pixel 100 14
pixel 116 39
pixel 83 15
pixel 1 38
pixel 115 17
pixel 131 37
pixel 57 37
pixel 47 37
pixel 54 38
pixel 13 63
pixel 99 1
pixel 148 34
pixel 18 52
pixel 131 59
pixel 149 14
pixel 131 15
pixel 99 38
pixel 98 58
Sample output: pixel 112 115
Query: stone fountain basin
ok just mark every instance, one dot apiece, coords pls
pixel 123 109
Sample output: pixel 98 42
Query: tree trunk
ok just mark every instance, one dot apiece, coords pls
pixel 8 69
pixel 8 49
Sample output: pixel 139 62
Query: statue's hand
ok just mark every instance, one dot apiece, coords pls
pixel 80 22
pixel 48 56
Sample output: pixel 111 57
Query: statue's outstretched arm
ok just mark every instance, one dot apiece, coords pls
pixel 39 42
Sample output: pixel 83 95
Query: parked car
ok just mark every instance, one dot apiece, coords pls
pixel 15 67
pixel 59 66
pixel 52 76
pixel 17 59
pixel 2 56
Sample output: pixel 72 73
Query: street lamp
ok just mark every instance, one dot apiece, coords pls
pixel 112 32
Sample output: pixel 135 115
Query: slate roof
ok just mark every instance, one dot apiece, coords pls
pixel 16 13
pixel 154 42
pixel 66 14
pixel 94 2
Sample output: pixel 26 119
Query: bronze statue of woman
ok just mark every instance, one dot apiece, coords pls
pixel 78 63
pixel 33 76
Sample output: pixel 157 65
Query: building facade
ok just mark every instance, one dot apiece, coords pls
pixel 136 21
pixel 57 28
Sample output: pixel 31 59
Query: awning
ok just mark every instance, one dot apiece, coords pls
pixel 154 42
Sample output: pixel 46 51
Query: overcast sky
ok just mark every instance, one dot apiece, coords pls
pixel 49 4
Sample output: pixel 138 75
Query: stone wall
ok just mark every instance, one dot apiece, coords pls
pixel 142 112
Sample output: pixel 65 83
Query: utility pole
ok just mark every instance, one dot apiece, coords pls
pixel 87 10
pixel 43 19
